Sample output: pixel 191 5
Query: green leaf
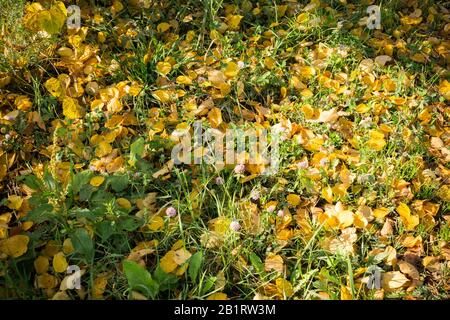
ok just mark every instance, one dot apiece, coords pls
pixel 137 147
pixel 140 279
pixel 208 285
pixel 83 244
pixel 256 262
pixel 105 230
pixel 119 182
pixel 166 280
pixel 33 182
pixel 80 180
pixel 136 150
pixel 195 263
pixel 42 213
pixel 130 223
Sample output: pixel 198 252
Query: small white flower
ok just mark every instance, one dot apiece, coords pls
pixel 235 226
pixel 171 212
pixel 303 164
pixel 219 181
pixel 239 169
pixel 280 213
pixel 271 209
pixel 254 195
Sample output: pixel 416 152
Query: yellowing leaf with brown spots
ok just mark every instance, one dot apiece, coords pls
pixel 181 255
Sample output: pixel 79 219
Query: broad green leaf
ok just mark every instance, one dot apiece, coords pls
pixel 83 244
pixel 140 279
pixel 195 263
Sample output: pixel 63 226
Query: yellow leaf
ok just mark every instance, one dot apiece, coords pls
pixel 23 103
pixel 68 246
pixel 376 140
pixel 444 89
pixel 162 95
pixel 155 223
pixel 184 80
pixel 15 246
pixel 307 72
pixel 163 67
pixel 181 255
pixel 232 70
pixel 284 288
pixel 60 263
pixel 71 108
pixel 96 181
pixel 410 221
pixel 394 280
pixel 380 213
pixel 103 149
pixel 293 199
pixel 218 296
pixel 346 293
pixel 99 286
pixel 327 194
pixel 163 27
pixel 46 281
pixel 14 202
pixel 273 262
pixel 215 117
pixel 52 20
pixel 234 21
pixel 41 264
pixel 269 63
pixel 167 263
pixel 124 203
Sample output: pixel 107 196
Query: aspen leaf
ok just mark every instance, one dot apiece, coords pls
pixel 71 108
pixel 60 263
pixel 15 246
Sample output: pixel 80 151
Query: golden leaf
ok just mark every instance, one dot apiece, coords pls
pixel 163 67
pixel 215 117
pixel 96 181
pixel 41 264
pixel 273 262
pixel 71 108
pixel 394 280
pixel 293 199
pixel 15 246
pixel 167 263
pixel 60 263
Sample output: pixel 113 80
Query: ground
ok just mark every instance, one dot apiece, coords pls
pixel 94 204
